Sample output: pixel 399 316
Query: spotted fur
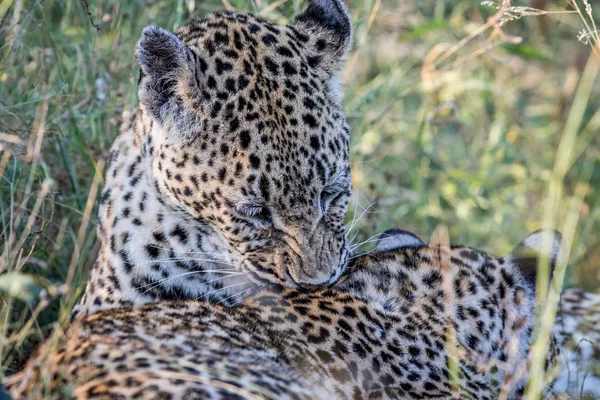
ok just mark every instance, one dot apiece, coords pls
pixel 234 164
pixel 413 322
pixel 577 329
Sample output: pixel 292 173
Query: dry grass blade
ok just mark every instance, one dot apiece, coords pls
pixel 549 299
pixel 87 213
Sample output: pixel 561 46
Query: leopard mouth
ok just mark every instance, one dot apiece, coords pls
pixel 263 275
pixel 342 269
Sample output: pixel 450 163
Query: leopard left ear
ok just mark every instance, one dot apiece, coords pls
pixel 328 23
pixel 168 76
pixel 542 244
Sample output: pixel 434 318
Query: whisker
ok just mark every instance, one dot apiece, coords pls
pixel 361 254
pixel 353 237
pixel 155 284
pixel 178 259
pixel 189 252
pixel 170 222
pixel 218 290
pixel 359 218
pixel 354 214
pixel 372 239
pixel 233 295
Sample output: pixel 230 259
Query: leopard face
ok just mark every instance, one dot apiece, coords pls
pixel 249 136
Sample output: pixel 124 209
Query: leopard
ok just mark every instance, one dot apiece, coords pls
pixel 408 320
pixel 232 172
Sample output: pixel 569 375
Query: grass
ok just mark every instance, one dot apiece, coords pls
pixel 482 118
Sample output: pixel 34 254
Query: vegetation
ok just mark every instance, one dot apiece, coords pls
pixel 476 122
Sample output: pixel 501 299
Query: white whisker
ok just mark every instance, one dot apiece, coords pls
pixel 179 259
pixel 353 237
pixel 218 290
pixel 171 278
pixel 234 295
pixel 169 223
pixel 372 239
pixel 353 224
pixel 354 214
pixel 361 254
pixel 216 254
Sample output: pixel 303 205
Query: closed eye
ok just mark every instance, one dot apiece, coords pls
pixel 328 197
pixel 256 212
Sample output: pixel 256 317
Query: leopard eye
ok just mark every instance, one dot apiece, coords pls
pixel 328 197
pixel 265 215
pixel 325 200
pixel 256 212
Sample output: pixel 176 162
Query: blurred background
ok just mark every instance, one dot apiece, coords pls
pixel 481 117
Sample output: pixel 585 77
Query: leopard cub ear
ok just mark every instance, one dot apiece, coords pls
pixel 542 244
pixel 167 72
pixel 394 239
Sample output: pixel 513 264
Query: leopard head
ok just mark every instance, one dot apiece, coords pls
pixel 248 136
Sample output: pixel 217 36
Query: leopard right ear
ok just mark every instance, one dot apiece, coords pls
pixel 394 239
pixel 543 244
pixel 328 22
pixel 168 74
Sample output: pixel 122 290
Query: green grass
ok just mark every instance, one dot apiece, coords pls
pixel 491 137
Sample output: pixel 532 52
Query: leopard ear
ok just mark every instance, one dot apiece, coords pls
pixel 394 239
pixel 167 72
pixel 328 23
pixel 542 244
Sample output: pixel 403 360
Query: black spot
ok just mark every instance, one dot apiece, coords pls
pixel 271 66
pixel 320 45
pixel 152 250
pixel 105 196
pixel 222 174
pixel 224 149
pixel 413 377
pixel 269 39
pixel 222 66
pixel 264 187
pixel 234 125
pixel 473 342
pixel 289 69
pixel 284 51
pixel 414 351
pixel 309 120
pixel 230 85
pixel 180 233
pixel 245 139
pixel 314 142
pixel 159 236
pixel 242 82
pixel 220 38
pixel 254 161
pixel 314 61
pixel 432 279
pixel 211 82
